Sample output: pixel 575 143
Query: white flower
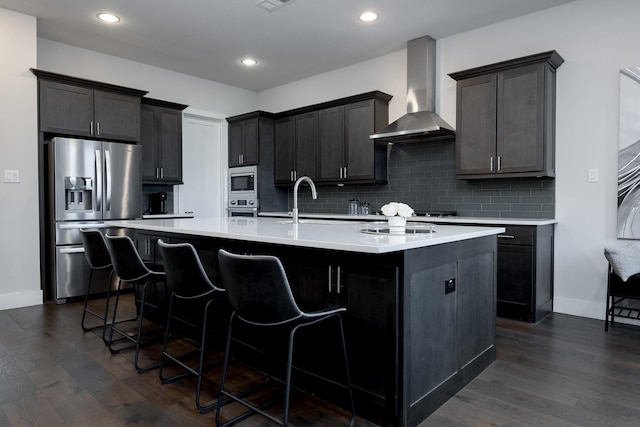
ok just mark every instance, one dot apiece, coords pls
pixel 395 208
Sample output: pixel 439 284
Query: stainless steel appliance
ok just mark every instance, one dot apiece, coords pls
pixel 88 182
pixel 243 183
pixel 243 207
pixel 243 191
pixel 421 122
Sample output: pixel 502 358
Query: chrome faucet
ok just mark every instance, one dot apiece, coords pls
pixel 314 194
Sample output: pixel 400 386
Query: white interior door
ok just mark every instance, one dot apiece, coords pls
pixel 202 167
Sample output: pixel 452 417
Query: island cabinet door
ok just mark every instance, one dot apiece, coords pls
pixel 369 292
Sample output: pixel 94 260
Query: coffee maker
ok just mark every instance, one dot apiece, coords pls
pixel 157 203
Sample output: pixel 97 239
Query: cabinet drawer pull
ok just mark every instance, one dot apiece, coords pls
pixel 506 236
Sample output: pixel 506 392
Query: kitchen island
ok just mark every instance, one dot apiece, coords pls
pixel 420 321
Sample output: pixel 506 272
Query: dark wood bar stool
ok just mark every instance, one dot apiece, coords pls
pixel 261 297
pixel 130 269
pixel 97 255
pixel 192 297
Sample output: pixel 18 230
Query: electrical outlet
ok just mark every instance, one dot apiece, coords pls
pixel 11 175
pixel 449 286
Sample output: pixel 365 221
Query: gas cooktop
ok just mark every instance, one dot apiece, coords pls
pixel 436 214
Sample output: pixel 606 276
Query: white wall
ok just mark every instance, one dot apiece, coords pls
pixel 19 244
pixel 198 93
pixel 596 39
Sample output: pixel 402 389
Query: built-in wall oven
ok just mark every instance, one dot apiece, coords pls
pixel 243 191
pixel 242 211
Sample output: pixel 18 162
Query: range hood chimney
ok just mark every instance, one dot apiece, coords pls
pixel 421 122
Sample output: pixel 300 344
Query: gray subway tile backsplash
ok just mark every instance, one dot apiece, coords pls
pixel 422 175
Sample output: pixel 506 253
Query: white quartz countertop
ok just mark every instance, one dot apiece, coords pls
pixel 336 235
pixel 435 220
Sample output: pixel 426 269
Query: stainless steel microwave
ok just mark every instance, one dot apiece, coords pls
pixel 243 182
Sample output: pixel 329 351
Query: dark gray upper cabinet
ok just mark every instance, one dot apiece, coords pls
pixel 285 150
pixel 505 118
pixel 85 108
pixel 296 146
pixel 161 139
pixel 331 152
pixel 330 143
pixel 243 143
pixel 245 134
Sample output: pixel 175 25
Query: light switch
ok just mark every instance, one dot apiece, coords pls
pixel 11 176
pixel 593 175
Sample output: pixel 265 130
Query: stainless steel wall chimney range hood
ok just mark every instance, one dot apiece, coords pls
pixel 421 122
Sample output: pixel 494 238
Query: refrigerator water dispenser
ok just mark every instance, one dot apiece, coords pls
pixel 78 193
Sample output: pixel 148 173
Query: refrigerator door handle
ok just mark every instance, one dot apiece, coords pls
pixel 107 178
pixel 98 175
pixel 72 250
pixel 76 226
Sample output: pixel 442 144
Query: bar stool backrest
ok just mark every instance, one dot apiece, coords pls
pixel 126 261
pixel 95 249
pixel 257 288
pixel 185 274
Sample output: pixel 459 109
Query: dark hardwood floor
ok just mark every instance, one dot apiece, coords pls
pixel 563 371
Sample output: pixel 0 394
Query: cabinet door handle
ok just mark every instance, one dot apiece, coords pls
pixel 491 164
pixel 98 128
pixel 338 281
pixel 329 279
pixel 506 236
pixel 161 173
pixel 90 128
pixel 499 163
pixel 344 174
pixel 295 175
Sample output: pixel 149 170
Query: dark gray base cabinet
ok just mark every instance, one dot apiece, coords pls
pixel 505 118
pixel 525 272
pixel 413 339
pixel 83 108
pixel 161 139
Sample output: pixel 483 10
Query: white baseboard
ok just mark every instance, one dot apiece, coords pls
pixel 582 308
pixel 20 299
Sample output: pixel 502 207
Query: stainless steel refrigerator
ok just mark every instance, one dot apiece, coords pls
pixel 88 182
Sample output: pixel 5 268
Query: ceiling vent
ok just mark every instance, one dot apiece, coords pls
pixel 272 5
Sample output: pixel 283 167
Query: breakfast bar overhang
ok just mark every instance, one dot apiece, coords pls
pixel 421 308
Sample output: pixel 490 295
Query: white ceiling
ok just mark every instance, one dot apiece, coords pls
pixel 207 38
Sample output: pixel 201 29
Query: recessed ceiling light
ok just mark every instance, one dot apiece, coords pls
pixel 368 16
pixel 249 61
pixel 108 17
